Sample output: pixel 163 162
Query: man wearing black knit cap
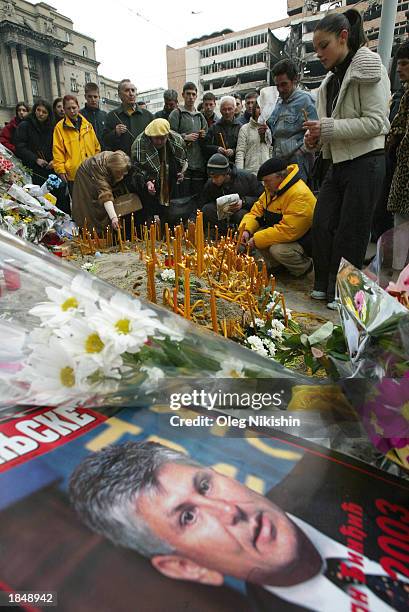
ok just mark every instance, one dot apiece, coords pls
pixel 279 223
pixel 225 179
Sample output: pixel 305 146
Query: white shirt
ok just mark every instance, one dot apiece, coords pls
pixel 319 593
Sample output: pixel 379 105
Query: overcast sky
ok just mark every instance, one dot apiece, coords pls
pixel 131 38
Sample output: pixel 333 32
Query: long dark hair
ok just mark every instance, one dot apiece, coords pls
pixel 350 20
pixel 50 119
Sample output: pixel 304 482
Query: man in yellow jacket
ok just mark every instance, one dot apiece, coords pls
pixel 279 223
pixel 74 141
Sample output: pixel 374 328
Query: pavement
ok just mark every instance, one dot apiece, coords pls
pixel 297 296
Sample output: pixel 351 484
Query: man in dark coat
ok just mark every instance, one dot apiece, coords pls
pixel 222 136
pixel 225 179
pixel 92 112
pixel 125 123
pixel 170 102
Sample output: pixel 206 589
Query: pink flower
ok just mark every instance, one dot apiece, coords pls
pixel 359 300
pixel 402 284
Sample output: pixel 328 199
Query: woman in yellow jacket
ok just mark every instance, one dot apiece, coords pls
pixel 279 222
pixel 74 140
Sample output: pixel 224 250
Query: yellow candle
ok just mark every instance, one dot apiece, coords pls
pixel 175 300
pixel 96 238
pixel 153 242
pixel 167 234
pixel 213 311
pixel 124 229
pixel 187 292
pixel 133 237
pixel 120 240
pixel 175 262
pixel 240 236
pixel 216 234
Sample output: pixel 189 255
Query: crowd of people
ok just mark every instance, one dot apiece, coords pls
pixel 310 185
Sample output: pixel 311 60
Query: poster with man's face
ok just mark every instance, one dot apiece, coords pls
pixel 116 509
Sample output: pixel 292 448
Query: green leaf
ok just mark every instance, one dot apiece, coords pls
pixel 321 334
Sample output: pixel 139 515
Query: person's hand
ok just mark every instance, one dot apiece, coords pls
pixel 221 150
pixel 202 133
pixel 120 129
pixel 180 177
pixel 41 162
pixel 229 152
pixel 50 165
pixel 262 128
pixel 313 129
pixel 150 185
pixel 251 243
pixel 115 223
pixel 192 137
pixel 236 206
pixel 63 177
pixel 245 237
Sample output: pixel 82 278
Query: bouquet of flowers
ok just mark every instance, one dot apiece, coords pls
pixel 70 338
pixel 376 327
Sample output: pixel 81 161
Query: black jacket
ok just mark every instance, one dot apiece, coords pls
pixel 162 114
pixel 135 124
pixel 35 140
pixel 229 131
pixel 242 182
pixel 97 118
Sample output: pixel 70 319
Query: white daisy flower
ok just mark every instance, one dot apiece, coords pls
pixel 55 377
pixel 123 322
pixel 259 322
pixel 65 303
pixel 85 343
pixel 231 368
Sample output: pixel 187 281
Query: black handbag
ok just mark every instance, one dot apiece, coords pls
pixel 181 208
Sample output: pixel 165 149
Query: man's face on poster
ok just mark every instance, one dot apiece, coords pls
pixel 217 526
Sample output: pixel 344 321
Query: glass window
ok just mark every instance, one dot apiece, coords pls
pixel 84 51
pixel 87 77
pixel 34 87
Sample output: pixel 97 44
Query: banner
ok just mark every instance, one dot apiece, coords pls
pixel 130 512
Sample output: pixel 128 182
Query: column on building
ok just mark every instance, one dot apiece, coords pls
pixel 26 76
pixel 16 73
pixel 53 75
pixel 61 78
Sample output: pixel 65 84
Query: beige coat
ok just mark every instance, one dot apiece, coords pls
pixel 250 152
pixel 93 187
pixel 359 121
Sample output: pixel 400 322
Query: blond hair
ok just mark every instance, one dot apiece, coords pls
pixel 118 164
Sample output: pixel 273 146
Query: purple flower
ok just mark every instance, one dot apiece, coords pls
pixel 359 300
pixel 385 415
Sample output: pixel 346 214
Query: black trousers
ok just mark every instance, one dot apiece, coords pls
pixel 343 217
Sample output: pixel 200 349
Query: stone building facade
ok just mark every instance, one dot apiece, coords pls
pixel 42 56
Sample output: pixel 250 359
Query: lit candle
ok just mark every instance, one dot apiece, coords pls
pixel 216 234
pixel 133 237
pixel 199 242
pixel 175 262
pixel 240 236
pixel 153 241
pixel 90 244
pixel 213 311
pixel 167 234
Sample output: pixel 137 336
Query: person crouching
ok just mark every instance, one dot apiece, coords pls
pixel 279 223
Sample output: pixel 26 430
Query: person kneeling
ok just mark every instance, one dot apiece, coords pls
pixel 225 179
pixel 279 222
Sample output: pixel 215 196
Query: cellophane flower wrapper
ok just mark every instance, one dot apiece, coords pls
pixel 69 338
pixel 376 328
pixel 18 174
pixel 391 258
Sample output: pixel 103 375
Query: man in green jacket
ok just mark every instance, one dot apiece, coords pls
pixel 192 126
pixel 125 123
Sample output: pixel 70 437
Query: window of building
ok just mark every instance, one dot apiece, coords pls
pixel 87 77
pixel 84 51
pixel 68 36
pixel 74 85
pixel 32 66
pixel 34 87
